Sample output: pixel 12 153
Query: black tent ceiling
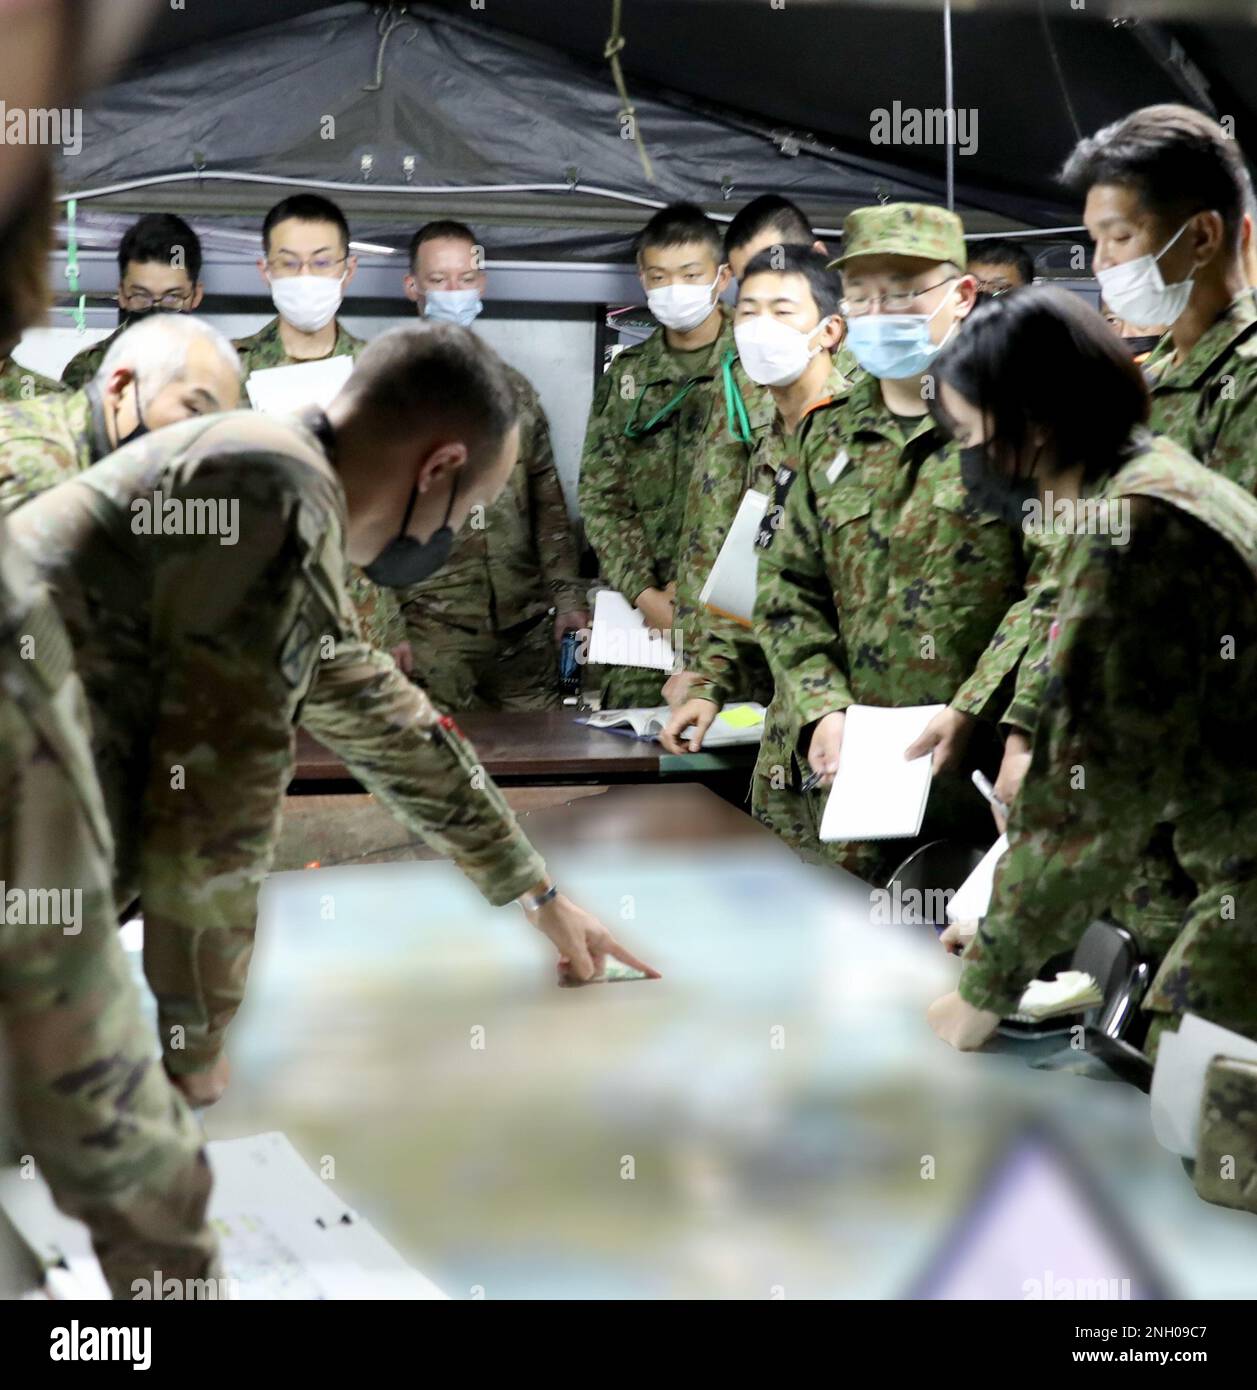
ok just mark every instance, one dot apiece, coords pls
pixel 733 96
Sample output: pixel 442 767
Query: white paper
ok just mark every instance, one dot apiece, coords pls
pixel 1179 1078
pixel 620 637
pixel 730 587
pixel 648 723
pixel 285 390
pixel 284 1232
pixel 971 900
pixel 877 794
pixel 1072 991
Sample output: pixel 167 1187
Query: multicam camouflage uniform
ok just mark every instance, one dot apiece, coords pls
pixel 478 629
pixel 118 1147
pixel 199 658
pixel 83 366
pixel 43 442
pixel 18 383
pixel 724 654
pixel 633 489
pixel 1146 719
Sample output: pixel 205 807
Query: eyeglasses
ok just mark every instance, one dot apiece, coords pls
pixel 320 265
pixel 894 302
pixel 141 299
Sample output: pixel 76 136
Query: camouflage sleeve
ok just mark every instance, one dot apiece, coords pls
pixel 233 634
pixel 82 367
pixel 606 500
pixel 30 463
pixel 117 1145
pixel 1232 428
pixel 1104 756
pixel 990 687
pixel 556 545
pixel 795 618
pixel 1032 673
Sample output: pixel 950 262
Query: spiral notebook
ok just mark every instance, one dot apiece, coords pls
pixel 877 794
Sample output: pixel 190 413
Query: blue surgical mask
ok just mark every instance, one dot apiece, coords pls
pixel 894 346
pixel 462 307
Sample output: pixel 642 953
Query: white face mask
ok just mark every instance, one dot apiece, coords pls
pixel 1136 292
pixel 682 307
pixel 308 302
pixel 774 353
pixel 462 307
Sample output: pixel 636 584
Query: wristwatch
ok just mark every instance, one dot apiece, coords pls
pixel 533 902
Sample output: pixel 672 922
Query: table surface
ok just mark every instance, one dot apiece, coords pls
pixel 545 746
pixel 774 1114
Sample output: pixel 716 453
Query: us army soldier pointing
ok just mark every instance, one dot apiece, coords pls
pixel 199 659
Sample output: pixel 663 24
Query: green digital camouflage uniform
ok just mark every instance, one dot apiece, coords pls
pixel 1208 406
pixel 45 441
pixel 265 348
pixel 18 383
pixel 887 586
pixel 724 654
pixel 478 629
pixel 118 1147
pixel 83 366
pixel 633 490
pixel 1146 718
pixel 199 659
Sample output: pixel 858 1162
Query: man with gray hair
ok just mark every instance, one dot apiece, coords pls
pixel 163 370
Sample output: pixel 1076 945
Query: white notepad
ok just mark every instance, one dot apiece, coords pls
pixel 971 900
pixel 741 722
pixel 730 587
pixel 285 390
pixel 620 637
pixel 877 794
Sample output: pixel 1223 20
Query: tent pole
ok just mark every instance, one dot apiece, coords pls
pixel 950 106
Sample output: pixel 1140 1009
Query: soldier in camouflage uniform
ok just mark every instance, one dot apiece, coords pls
pixel 116 1144
pixel 1203 374
pixel 478 632
pixel 159 271
pixel 782 423
pixel 652 412
pixel 18 383
pixel 887 584
pixel 160 372
pixel 200 573
pixel 1147 711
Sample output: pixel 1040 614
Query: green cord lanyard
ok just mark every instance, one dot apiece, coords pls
pixel 738 420
pixel 72 264
pixel 735 408
pixel 635 431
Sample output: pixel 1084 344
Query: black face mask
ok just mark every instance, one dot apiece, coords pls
pixel 1144 343
pixel 992 491
pixel 128 317
pixel 141 428
pixel 404 560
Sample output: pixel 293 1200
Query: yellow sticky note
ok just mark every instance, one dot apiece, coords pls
pixel 744 717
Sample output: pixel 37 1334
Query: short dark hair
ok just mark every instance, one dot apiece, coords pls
pixel 305 207
pixel 799 260
pixel 999 251
pixel 677 225
pixel 443 229
pixel 1177 161
pixel 769 210
pixel 1043 357
pixel 422 371
pixel 160 237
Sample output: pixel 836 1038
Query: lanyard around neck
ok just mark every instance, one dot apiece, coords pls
pixel 738 420
pixel 633 430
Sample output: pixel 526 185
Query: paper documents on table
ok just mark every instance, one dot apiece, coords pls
pixel 283 1231
pixel 1071 992
pixel 620 637
pixel 738 723
pixel 971 900
pixel 730 587
pixel 876 794
pixel 285 390
pixel 1179 1078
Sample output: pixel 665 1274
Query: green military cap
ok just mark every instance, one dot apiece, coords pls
pixel 903 229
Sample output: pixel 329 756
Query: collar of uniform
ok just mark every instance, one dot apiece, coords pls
pixel 1235 322
pixel 665 368
pixel 866 412
pixel 94 433
pixel 837 388
pixel 269 333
